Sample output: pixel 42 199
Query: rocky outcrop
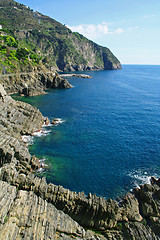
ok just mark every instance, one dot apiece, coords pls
pixel 16 119
pixel 31 84
pixel 90 211
pixel 149 198
pixel 119 220
pixel 24 215
pixel 95 56
pixel 32 209
pixel 75 75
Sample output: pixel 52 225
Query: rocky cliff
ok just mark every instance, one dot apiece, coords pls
pixel 34 83
pixel 32 209
pixel 50 42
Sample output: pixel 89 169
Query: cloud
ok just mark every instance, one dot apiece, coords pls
pixel 149 16
pixel 94 31
pixel 119 30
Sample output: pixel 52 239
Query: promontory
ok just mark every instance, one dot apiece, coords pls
pixel 33 48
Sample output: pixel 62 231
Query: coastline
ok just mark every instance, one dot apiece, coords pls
pixel 75 75
pixel 122 220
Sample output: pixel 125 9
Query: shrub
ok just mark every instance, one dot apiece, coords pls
pixel 3 49
pixel 10 41
pixel 34 57
pixel 22 53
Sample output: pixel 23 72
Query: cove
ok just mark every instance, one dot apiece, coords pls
pixel 109 141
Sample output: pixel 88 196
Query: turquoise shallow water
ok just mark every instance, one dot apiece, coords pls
pixel 109 141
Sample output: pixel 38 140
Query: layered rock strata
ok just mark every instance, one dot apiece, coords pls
pixel 26 216
pixel 32 209
pixel 16 119
pixel 31 84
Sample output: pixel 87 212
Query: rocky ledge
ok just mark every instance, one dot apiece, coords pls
pixel 75 75
pixel 34 83
pixel 32 209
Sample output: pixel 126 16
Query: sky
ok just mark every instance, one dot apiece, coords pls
pixel 129 28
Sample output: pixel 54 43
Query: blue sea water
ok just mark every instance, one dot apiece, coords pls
pixel 109 141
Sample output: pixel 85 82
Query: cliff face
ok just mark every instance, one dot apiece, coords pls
pixel 31 208
pixel 34 83
pixel 97 57
pixel 16 119
pixel 52 42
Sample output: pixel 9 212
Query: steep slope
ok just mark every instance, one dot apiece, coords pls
pixel 53 42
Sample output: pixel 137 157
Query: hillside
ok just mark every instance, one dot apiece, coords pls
pixel 50 43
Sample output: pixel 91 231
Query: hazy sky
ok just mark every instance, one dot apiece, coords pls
pixel 131 29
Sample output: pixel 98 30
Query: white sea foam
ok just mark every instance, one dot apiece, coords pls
pixel 140 178
pixel 60 120
pixel 43 165
pixel 57 121
pixel 41 133
pixel 42 160
pixel 27 139
pixel 48 125
pixel 40 170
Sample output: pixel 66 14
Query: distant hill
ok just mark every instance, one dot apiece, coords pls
pixel 48 42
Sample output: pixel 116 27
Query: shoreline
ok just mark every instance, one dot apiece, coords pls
pixel 28 139
pixel 75 75
pixel 123 220
pixel 40 132
pixel 145 179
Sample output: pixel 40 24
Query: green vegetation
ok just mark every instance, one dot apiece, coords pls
pixel 119 226
pixel 99 59
pixel 100 232
pixel 13 58
pixel 6 218
pixel 144 222
pixel 35 58
pixel 80 37
pixel 22 53
pixel 10 41
pixel 47 40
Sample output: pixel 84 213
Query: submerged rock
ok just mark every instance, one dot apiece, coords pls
pixel 56 121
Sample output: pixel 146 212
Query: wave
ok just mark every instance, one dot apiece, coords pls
pixel 140 177
pixel 41 133
pixel 42 162
pixel 27 139
pixel 41 170
pixel 43 165
pixel 48 125
pixel 57 121
pixel 60 120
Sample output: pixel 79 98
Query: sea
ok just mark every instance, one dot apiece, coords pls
pixel 108 140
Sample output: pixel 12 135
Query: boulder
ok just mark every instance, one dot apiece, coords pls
pixel 56 121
